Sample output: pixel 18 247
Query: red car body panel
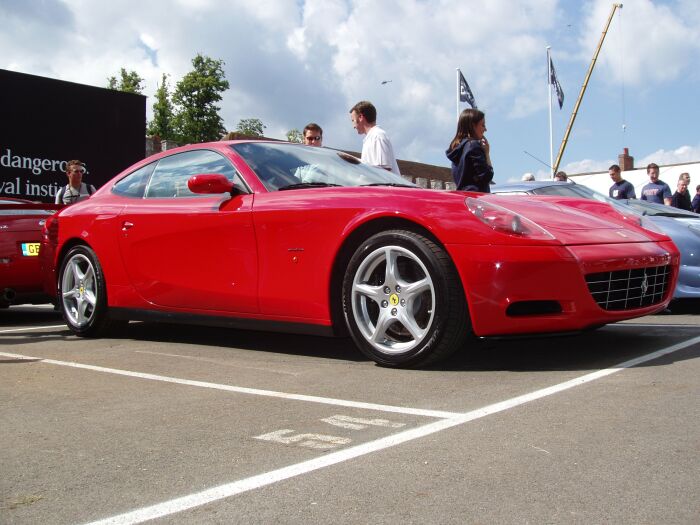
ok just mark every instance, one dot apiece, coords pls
pixel 271 255
pixel 21 222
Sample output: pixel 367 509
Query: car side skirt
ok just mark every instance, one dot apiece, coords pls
pixel 130 314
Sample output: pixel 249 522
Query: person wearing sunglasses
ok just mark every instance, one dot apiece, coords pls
pixel 76 190
pixel 313 135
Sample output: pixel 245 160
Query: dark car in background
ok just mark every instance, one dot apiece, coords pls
pixel 21 224
pixel 683 227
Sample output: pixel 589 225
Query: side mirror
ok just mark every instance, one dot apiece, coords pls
pixel 209 183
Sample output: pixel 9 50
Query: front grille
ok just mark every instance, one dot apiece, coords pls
pixel 629 289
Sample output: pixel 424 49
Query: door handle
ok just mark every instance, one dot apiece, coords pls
pixel 127 225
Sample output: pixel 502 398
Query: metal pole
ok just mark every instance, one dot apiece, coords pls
pixel 458 90
pixel 555 167
pixel 549 105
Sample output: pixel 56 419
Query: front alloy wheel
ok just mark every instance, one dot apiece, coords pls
pixel 403 300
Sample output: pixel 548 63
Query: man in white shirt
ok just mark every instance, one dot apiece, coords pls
pixel 376 146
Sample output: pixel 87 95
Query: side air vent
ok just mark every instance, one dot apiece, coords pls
pixel 523 308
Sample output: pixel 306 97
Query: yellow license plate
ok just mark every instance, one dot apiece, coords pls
pixel 30 249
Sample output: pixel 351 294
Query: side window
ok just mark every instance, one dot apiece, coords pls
pixel 170 176
pixel 134 184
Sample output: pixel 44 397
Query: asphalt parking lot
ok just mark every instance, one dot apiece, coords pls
pixel 205 425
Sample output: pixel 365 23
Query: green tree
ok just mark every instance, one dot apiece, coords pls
pixel 129 82
pixel 294 135
pixel 253 127
pixel 162 123
pixel 196 113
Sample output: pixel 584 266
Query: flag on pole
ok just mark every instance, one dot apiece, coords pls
pixel 465 94
pixel 554 81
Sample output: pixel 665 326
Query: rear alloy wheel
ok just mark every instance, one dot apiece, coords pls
pixel 82 293
pixel 403 300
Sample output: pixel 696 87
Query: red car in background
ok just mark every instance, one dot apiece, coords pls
pixel 21 224
pixel 286 237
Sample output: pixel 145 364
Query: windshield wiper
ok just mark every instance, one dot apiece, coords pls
pixel 669 214
pixel 394 184
pixel 306 185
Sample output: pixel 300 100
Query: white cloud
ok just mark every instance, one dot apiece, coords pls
pixel 647 43
pixel 680 155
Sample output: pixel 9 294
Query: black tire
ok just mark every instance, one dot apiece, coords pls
pixel 82 294
pixel 411 312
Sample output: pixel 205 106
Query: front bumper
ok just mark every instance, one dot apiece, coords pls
pixel 497 279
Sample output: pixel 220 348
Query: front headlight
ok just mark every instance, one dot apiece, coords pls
pixel 506 221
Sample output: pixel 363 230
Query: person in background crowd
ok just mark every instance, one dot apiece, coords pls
pixel 376 146
pixel 657 190
pixel 561 176
pixel 681 199
pixel 313 135
pixel 528 177
pixel 621 189
pixel 469 153
pixel 309 173
pixel 696 200
pixel 76 190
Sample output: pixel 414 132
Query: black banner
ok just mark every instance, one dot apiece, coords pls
pixel 44 123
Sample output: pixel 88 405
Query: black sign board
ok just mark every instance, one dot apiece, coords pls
pixel 45 122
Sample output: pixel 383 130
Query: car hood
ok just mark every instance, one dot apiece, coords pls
pixel 577 221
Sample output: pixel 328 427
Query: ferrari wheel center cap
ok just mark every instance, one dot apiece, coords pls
pixel 394 299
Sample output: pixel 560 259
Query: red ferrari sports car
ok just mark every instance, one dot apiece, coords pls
pixel 285 237
pixel 21 223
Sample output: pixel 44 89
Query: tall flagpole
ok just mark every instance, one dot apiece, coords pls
pixel 549 105
pixel 458 90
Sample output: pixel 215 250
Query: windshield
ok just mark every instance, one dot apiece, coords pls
pixel 572 190
pixel 651 208
pixel 292 166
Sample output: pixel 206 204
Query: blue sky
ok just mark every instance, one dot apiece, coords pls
pixel 291 61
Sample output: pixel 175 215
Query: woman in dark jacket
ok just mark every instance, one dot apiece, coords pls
pixel 469 153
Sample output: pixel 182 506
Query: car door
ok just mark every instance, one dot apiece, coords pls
pixel 189 251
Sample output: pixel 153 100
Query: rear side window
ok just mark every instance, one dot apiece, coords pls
pixel 134 184
pixel 170 177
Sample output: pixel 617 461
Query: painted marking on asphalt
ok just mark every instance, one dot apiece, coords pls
pixel 32 328
pixel 654 325
pixel 227 490
pixel 315 441
pixel 242 390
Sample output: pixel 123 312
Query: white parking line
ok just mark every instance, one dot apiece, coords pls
pixel 237 487
pixel 242 390
pixel 32 328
